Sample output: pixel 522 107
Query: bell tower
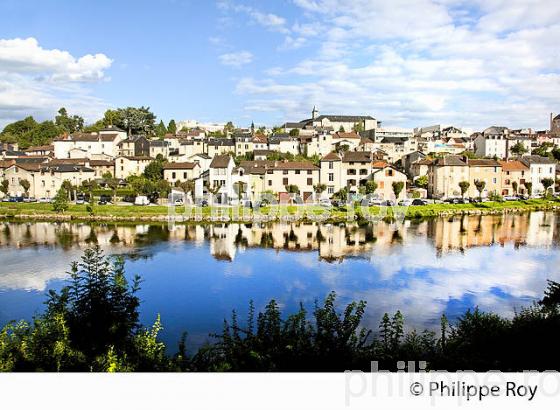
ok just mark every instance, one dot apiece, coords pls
pixel 314 113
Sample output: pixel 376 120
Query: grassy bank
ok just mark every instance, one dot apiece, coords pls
pixel 40 211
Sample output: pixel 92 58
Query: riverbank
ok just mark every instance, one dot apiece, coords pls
pixel 44 212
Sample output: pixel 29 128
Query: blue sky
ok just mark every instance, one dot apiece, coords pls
pixel 406 62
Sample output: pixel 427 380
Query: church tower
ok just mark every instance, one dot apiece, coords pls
pixel 314 113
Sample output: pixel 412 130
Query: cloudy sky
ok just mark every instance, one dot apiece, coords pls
pixel 406 62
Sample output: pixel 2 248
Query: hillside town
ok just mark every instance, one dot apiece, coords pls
pixel 320 158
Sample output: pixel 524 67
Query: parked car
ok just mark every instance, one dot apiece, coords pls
pixel 419 202
pixel 325 202
pixel 44 200
pixel 16 199
pixel 82 199
pixel 405 202
pixel 204 202
pixel 6 199
pixel 387 202
pixel 29 199
pixel 141 200
pixel 375 202
pixel 104 200
pixel 510 198
pixel 129 198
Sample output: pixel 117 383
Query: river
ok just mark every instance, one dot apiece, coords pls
pixel 194 275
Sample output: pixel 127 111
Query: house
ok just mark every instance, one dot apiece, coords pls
pixel 96 145
pixel 135 146
pixel 514 173
pixel 487 170
pixel 130 165
pixel 261 154
pixel 492 142
pixel 539 169
pixel 408 159
pixel 385 176
pixel 344 123
pixel 420 168
pixel 40 150
pixel 444 175
pixel 284 143
pixel 302 174
pixel 180 171
pixel 101 167
pixel 45 179
pixel 219 146
pixel 159 147
pixel 220 178
pixel 352 169
pixel 201 159
pixel 555 125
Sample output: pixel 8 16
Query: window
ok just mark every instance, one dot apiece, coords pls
pixel 351 172
pixel 389 172
pixel 331 177
pixel 331 165
pixel 330 189
pixel 285 172
pixel 270 182
pixel 297 171
pixel 309 172
pixel 284 181
pixel 381 184
pixel 309 181
pixel 173 175
pixel 363 171
pixel 184 175
pixel 494 180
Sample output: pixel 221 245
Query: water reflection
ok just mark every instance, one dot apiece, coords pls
pixel 195 274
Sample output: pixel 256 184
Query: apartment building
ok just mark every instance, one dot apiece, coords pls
pixel 130 165
pixel 180 171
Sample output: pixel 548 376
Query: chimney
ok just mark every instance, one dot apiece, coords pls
pixel 551 117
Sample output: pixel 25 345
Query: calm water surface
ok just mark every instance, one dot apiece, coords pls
pixel 195 275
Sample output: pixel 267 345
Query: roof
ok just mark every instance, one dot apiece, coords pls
pixel 295 165
pixel 394 140
pixel 349 135
pixel 513 166
pixel 180 165
pixel 293 125
pixel 66 168
pixel 101 163
pixel 379 164
pixel 256 167
pixel 556 118
pixel 344 118
pixel 40 148
pixel 92 137
pixel 137 157
pixel 112 128
pixel 535 159
pixel 222 142
pixel 451 161
pixel 159 143
pixel 356 156
pixel 331 156
pixel 483 163
pixel 6 163
pixel 495 130
pixel 220 161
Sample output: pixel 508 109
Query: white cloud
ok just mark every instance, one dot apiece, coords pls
pixel 25 55
pixel 237 59
pixel 414 62
pixel 37 81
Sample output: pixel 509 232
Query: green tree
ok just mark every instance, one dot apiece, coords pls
pixel 4 186
pixel 154 170
pixel 133 120
pixel 60 202
pixel 480 185
pixel 319 188
pixel 358 127
pixel 464 187
pixel 529 187
pixel 371 186
pixel 69 124
pixel 514 185
pixel 292 189
pixel 113 184
pixel 397 188
pixel 519 149
pixel 228 128
pixel 543 149
pixel 161 130
pixel 15 131
pixel 172 127
pixel 341 129
pixel 547 183
pixel 25 184
pixel 421 181
pixel 294 132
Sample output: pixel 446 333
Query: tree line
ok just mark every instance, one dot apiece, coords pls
pixel 92 324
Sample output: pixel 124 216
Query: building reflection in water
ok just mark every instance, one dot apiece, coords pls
pixel 332 242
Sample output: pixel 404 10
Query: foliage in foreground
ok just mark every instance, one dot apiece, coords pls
pixel 92 325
